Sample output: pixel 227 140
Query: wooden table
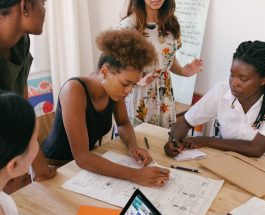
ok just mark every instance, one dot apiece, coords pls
pixel 181 108
pixel 48 198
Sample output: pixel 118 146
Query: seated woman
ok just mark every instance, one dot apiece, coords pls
pixel 86 104
pixel 238 106
pixel 18 143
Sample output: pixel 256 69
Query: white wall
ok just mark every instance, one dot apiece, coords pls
pixel 104 14
pixel 229 23
pixel 39 49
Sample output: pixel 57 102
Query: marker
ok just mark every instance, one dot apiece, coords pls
pixel 146 142
pixel 185 169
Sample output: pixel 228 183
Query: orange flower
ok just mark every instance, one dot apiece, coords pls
pixel 166 51
pixel 164 107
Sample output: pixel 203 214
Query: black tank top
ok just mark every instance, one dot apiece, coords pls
pixel 57 147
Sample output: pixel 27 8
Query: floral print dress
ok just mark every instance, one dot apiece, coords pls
pixel 153 103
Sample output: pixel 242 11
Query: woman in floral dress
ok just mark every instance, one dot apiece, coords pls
pixel 152 98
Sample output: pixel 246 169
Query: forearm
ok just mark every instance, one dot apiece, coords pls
pixel 127 135
pixel 176 68
pixel 95 163
pixel 180 129
pixel 243 147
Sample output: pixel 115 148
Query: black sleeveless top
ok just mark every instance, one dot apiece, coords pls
pixel 57 147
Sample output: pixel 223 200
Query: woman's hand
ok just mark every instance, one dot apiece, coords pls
pixel 151 176
pixel 148 79
pixel 192 68
pixel 172 149
pixel 140 155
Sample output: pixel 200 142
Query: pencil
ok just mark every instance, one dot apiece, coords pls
pixel 146 142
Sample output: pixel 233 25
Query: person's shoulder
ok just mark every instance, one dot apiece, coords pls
pixel 23 44
pixel 128 22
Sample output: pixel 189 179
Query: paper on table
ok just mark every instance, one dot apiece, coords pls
pixel 253 206
pixel 88 210
pixel 183 194
pixel 190 154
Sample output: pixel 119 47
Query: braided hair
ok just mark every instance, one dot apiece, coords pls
pixel 253 53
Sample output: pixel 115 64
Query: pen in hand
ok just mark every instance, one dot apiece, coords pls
pixel 146 142
pixel 185 169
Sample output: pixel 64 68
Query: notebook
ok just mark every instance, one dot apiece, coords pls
pixel 138 204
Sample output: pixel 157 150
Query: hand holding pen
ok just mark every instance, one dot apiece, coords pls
pixel 173 147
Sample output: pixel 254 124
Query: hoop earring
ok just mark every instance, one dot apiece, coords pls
pixel 26 13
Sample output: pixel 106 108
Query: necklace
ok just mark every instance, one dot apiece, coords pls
pixel 232 105
pixel 254 125
pixel 161 38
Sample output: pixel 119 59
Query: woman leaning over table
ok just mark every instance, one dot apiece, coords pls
pixel 239 107
pixel 152 99
pixel 86 104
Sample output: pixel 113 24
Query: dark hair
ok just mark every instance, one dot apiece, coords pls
pixel 17 122
pixel 166 18
pixel 5 5
pixel 125 48
pixel 253 53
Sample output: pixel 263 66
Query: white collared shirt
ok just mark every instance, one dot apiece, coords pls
pixel 234 123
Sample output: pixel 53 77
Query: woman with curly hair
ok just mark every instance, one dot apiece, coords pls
pixel 156 21
pixel 86 104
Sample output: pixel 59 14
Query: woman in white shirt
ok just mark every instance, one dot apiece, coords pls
pixel 238 106
pixel 18 143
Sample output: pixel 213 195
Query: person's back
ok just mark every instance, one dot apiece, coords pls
pixel 18 143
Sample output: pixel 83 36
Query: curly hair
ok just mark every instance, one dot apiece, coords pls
pixel 253 53
pixel 125 48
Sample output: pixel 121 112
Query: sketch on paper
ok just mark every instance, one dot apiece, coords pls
pixel 184 194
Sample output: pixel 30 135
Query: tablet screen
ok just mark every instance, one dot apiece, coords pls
pixel 138 204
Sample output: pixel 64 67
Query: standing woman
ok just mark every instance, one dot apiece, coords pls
pixel 18 18
pixel 152 99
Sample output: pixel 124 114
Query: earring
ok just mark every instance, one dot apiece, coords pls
pixel 26 13
pixel 102 82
